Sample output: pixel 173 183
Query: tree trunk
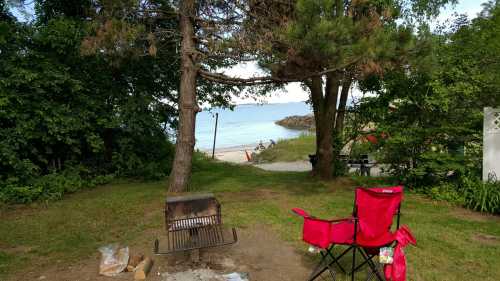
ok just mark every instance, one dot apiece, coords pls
pixel 324 107
pixel 184 147
pixel 339 121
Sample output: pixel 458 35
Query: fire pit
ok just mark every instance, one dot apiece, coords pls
pixel 194 222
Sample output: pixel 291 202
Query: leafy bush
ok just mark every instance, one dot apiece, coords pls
pixel 468 191
pixel 483 197
pixel 340 168
pixel 49 187
pixel 446 192
pixel 63 128
pixel 146 157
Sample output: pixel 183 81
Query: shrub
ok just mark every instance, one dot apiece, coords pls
pixel 469 191
pixel 446 192
pixel 49 187
pixel 481 196
pixel 149 157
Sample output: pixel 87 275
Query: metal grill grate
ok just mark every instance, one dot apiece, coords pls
pixel 194 223
pixel 197 238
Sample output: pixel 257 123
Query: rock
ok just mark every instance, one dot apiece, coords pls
pixel 297 122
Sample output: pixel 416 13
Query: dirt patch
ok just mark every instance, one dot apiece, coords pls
pixel 204 275
pixel 16 250
pixel 486 239
pixel 469 215
pixel 259 252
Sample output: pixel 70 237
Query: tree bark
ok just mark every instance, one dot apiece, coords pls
pixel 339 121
pixel 324 107
pixel 184 148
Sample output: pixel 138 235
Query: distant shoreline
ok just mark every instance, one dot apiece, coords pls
pixel 256 103
pixel 249 147
pixel 234 154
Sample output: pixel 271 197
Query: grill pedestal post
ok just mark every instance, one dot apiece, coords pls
pixel 194 255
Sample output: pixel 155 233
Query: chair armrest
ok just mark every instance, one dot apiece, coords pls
pixel 304 214
pixel 301 212
pixel 343 219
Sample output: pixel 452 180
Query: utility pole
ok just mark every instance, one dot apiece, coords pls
pixel 215 134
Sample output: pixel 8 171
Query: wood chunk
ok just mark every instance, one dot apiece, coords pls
pixel 143 268
pixel 134 260
pixel 130 268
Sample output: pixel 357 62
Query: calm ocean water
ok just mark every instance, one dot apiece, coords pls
pixel 247 124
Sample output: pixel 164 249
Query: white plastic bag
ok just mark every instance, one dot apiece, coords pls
pixel 236 276
pixel 113 260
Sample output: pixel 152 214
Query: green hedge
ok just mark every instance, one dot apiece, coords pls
pixel 469 192
pixel 49 187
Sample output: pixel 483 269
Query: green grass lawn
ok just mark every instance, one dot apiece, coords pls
pixel 290 150
pixel 449 238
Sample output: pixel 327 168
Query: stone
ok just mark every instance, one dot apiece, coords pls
pixel 297 122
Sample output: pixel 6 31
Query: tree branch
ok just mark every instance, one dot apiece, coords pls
pixel 259 80
pixel 236 81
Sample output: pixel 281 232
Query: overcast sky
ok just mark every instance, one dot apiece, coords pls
pixel 293 91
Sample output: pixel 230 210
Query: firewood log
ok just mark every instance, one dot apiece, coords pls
pixel 143 268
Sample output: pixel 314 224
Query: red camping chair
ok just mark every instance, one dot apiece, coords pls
pixel 374 209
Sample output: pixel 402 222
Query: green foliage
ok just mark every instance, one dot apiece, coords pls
pixel 431 112
pixel 480 196
pixel 446 192
pixel 469 192
pixel 137 159
pixel 296 149
pixel 361 148
pixel 50 187
pixel 340 167
pixel 67 120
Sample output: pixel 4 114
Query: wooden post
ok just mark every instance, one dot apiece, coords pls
pixel 194 256
pixel 215 134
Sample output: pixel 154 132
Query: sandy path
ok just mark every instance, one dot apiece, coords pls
pixel 235 154
pixel 297 166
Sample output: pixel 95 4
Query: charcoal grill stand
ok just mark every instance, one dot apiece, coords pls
pixel 194 222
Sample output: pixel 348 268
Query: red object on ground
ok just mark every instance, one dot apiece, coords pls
pixel 397 270
pixel 249 158
pixel 371 138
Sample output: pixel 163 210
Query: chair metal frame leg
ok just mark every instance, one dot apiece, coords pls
pixel 369 259
pixel 353 267
pixel 321 267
